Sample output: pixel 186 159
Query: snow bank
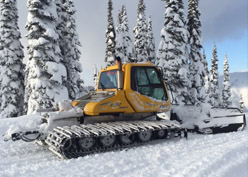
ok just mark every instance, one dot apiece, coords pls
pixel 45 121
pixel 19 124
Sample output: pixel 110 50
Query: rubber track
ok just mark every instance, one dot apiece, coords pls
pixel 63 141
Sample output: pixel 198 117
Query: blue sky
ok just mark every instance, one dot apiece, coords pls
pixel 236 50
pixel 224 22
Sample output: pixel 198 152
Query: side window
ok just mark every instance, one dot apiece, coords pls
pixel 153 76
pixel 141 77
pixel 146 81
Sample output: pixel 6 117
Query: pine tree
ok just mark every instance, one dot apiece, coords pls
pixel 150 42
pixel 140 32
pixel 95 77
pixel 196 62
pixel 241 102
pixel 46 76
pixel 69 45
pixel 129 51
pixel 181 9
pixel 119 48
pixel 214 83
pixel 124 45
pixel 11 58
pixel 207 80
pixel 205 63
pixel 226 90
pixel 110 37
pixel 172 53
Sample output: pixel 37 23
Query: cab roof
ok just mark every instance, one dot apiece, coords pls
pixel 128 64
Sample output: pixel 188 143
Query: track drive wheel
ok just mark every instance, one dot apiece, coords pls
pixel 145 136
pixel 86 143
pixel 107 141
pixel 161 133
pixel 127 138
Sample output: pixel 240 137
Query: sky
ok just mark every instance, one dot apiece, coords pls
pixel 224 22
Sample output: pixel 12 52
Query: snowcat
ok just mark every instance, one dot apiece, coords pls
pixel 129 107
pixel 123 112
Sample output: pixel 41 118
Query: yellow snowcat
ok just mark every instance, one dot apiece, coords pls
pixel 130 107
pixel 127 109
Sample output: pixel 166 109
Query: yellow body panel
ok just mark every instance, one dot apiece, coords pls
pixel 115 104
pixel 126 100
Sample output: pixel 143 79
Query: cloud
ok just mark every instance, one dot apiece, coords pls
pixel 223 19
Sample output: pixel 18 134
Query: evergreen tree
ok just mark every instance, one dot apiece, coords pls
pixel 11 58
pixel 214 83
pixel 69 45
pixel 95 77
pixel 129 51
pixel 196 62
pixel 140 34
pixel 181 9
pixel 46 76
pixel 172 55
pixel 124 45
pixel 150 42
pixel 110 37
pixel 205 63
pixel 226 90
pixel 241 102
pixel 119 49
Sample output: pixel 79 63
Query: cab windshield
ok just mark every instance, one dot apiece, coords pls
pixel 108 80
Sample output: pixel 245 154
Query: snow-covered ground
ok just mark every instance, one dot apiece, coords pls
pixel 201 155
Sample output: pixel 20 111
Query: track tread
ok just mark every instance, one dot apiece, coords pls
pixel 57 140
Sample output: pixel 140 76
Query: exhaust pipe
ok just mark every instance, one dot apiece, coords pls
pixel 119 74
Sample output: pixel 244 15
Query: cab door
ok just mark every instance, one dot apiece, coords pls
pixel 148 92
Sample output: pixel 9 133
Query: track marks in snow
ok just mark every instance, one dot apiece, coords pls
pixel 207 155
pixel 220 155
pixel 201 155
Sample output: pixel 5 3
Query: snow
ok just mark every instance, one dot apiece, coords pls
pixel 221 155
pixel 28 123
pixel 57 71
pixel 35 122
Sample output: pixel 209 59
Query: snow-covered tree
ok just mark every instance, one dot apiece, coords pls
pixel 204 58
pixel 110 37
pixel 11 58
pixel 226 90
pixel 241 103
pixel 172 52
pixel 181 9
pixel 119 49
pixel 150 42
pixel 140 34
pixel 46 76
pixel 69 46
pixel 124 45
pixel 195 43
pixel 214 95
pixel 95 77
